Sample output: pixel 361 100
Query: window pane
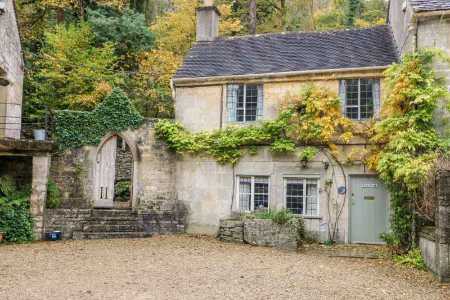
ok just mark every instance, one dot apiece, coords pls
pixel 251 102
pixel 352 92
pixel 351 113
pixel 240 109
pixel 261 192
pixel 245 188
pixel 294 195
pixel 312 208
pixel 366 100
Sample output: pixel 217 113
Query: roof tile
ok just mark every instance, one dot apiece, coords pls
pixel 290 52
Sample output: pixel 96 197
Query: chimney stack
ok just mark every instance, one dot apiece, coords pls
pixel 207 22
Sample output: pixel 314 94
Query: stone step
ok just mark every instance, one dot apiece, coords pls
pixel 79 235
pixel 115 213
pixel 117 219
pixel 112 227
pixel 111 222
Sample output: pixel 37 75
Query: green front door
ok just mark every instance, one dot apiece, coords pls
pixel 369 210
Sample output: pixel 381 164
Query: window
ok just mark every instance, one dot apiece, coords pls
pixel 361 98
pixel 244 102
pixel 253 193
pixel 301 196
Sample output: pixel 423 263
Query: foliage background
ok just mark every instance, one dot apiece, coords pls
pixel 77 51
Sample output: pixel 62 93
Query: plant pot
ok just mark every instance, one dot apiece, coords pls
pixel 1 236
pixel 39 134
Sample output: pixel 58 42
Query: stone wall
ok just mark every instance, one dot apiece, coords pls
pixel 124 164
pixel 68 170
pixel 434 242
pixel 259 233
pixel 443 225
pixel 231 231
pixel 11 70
pixel 152 172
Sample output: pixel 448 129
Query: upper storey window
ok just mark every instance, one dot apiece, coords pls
pixel 360 98
pixel 244 102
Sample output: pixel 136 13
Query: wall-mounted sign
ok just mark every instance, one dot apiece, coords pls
pixel 369 186
pixel 342 190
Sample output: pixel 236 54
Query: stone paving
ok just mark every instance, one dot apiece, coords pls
pixel 183 267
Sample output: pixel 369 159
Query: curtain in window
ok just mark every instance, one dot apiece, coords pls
pixel 260 106
pixel 232 96
pixel 343 95
pixel 376 98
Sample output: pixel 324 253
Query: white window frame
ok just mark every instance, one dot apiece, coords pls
pixel 259 103
pixel 358 106
pixel 304 178
pixel 252 192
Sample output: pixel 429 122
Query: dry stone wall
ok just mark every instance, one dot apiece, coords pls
pixel 259 233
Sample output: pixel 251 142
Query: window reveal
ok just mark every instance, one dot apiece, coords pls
pixel 301 195
pixel 244 102
pixel 253 193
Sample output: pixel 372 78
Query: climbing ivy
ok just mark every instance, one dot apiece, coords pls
pixel 411 145
pixel 78 128
pixel 313 117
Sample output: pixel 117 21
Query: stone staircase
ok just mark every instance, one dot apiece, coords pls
pixel 110 224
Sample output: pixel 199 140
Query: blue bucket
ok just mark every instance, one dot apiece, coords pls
pixel 54 235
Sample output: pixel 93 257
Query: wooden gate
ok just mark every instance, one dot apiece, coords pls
pixel 105 174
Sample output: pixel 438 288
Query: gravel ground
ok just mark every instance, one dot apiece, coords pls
pixel 182 267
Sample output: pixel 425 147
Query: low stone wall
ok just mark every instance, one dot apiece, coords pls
pixel 427 245
pixel 259 233
pixel 66 220
pixel 267 233
pixel 231 231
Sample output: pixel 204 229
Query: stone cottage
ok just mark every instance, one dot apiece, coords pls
pixel 240 81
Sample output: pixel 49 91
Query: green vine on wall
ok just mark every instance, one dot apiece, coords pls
pixel 411 143
pixel 116 113
pixel 313 117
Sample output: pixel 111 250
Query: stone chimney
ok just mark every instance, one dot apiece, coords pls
pixel 207 22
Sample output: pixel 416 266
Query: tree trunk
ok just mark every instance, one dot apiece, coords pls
pixel 82 14
pixel 252 17
pixel 60 15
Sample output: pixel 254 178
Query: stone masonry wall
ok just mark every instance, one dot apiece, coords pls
pixel 68 170
pixel 124 164
pixel 11 68
pixel 259 233
pixel 152 172
pixel 70 221
pixel 443 225
pixel 231 231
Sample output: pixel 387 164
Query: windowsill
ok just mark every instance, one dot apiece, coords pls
pixel 311 217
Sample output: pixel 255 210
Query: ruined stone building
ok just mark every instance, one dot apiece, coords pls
pixel 26 161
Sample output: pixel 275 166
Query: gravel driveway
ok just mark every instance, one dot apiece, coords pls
pixel 182 267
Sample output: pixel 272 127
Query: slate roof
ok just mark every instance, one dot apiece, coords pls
pixel 430 5
pixel 290 52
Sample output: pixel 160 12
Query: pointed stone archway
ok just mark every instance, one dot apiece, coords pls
pixel 115 173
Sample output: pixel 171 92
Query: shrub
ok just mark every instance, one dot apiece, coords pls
pixel 412 259
pixel 15 218
pixel 53 195
pixel 122 191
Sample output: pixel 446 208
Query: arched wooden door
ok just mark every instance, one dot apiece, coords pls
pixel 105 174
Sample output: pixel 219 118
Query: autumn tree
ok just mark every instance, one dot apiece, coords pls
pixel 175 33
pixel 72 72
